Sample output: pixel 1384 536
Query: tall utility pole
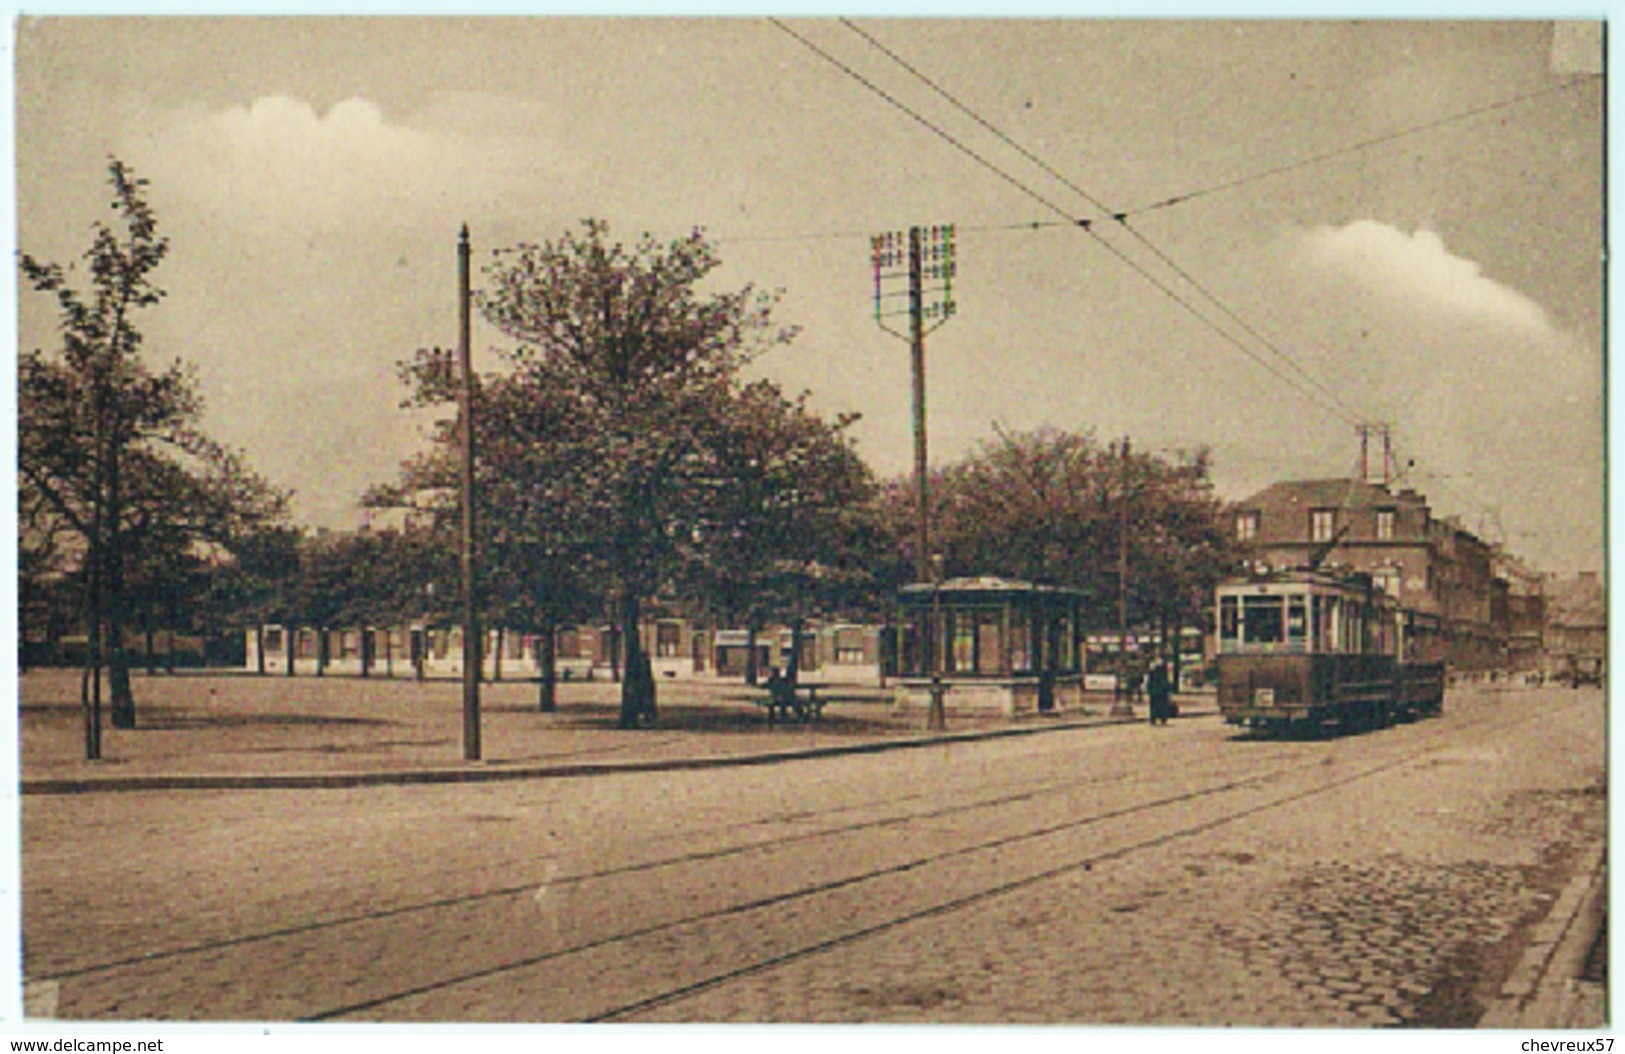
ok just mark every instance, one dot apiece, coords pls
pixel 1124 706
pixel 924 255
pixel 916 331
pixel 465 431
pixel 921 255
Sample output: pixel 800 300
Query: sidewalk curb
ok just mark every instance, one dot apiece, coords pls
pixel 475 772
pixel 1541 990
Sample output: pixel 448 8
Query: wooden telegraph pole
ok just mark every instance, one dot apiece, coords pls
pixel 1124 706
pixel 465 431
pixel 924 255
pixel 916 333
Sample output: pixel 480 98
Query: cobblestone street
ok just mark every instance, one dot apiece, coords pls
pixel 1399 903
pixel 1116 874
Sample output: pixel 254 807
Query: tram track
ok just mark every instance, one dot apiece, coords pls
pixel 745 910
pixel 528 885
pixel 1419 739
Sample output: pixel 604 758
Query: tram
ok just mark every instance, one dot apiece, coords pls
pixel 1315 647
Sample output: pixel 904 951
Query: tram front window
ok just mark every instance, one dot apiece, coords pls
pixel 1262 621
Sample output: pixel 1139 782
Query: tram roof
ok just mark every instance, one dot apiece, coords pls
pixel 1336 578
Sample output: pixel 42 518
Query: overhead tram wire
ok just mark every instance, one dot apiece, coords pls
pixel 1440 481
pixel 959 228
pixel 1120 217
pixel 1086 224
pixel 724 238
pixel 934 129
pixel 1336 410
pixel 1364 144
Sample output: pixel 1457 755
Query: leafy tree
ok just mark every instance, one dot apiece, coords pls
pixel 535 573
pixel 1052 506
pixel 648 360
pixel 775 515
pixel 604 445
pixel 1179 548
pixel 253 587
pixel 349 580
pixel 108 447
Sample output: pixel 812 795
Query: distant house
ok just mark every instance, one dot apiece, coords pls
pixel 1525 614
pixel 1577 625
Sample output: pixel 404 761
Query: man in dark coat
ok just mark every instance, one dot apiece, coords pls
pixel 1161 693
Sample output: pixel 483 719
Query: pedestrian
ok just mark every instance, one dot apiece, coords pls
pixel 780 695
pixel 1158 689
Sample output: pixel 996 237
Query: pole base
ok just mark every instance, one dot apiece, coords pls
pixel 936 714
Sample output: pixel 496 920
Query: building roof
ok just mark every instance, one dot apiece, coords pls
pixel 1332 493
pixel 1578 601
pixel 1346 494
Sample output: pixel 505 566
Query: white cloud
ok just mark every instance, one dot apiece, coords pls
pixel 1418 270
pixel 1477 380
pixel 280 161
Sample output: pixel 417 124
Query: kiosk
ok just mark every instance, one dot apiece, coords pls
pixel 998 646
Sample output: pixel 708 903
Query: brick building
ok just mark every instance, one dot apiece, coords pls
pixel 1525 614
pixel 1442 574
pixel 1577 626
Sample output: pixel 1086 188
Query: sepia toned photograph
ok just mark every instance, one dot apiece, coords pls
pixel 822 520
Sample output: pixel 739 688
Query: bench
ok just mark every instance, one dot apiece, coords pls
pixel 804 706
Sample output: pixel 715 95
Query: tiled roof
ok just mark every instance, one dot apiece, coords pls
pixel 1330 493
pixel 1577 601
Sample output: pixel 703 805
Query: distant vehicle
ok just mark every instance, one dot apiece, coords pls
pixel 1585 669
pixel 1315 647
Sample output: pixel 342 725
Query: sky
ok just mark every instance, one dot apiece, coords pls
pixel 1380 222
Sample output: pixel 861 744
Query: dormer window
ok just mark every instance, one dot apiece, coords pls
pixel 1246 526
pixel 1385 525
pixel 1322 525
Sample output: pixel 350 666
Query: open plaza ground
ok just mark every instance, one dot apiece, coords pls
pixel 242 724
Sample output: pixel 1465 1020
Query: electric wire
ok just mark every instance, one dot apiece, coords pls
pixel 724 238
pixel 1365 144
pixel 1440 481
pixel 1342 409
pixel 1086 223
pixel 916 116
pixel 959 228
pixel 1120 217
